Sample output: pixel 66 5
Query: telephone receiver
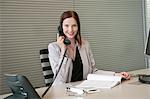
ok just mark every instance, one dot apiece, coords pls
pixel 66 40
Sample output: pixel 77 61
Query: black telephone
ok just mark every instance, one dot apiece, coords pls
pixel 144 78
pixel 60 31
pixel 66 42
pixel 21 87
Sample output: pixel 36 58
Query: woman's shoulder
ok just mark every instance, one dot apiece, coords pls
pixel 53 45
pixel 84 41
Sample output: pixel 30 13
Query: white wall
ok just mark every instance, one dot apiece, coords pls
pixel 148 24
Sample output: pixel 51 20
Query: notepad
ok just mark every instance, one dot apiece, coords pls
pixel 97 81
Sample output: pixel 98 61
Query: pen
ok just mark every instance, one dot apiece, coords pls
pixel 92 90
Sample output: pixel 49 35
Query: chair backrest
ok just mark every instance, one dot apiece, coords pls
pixel 47 70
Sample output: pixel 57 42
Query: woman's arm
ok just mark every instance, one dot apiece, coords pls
pixel 124 75
pixel 55 57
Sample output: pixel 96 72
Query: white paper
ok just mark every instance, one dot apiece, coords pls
pixel 96 81
pixel 103 77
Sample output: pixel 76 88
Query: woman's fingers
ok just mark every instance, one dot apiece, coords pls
pixel 125 75
pixel 60 41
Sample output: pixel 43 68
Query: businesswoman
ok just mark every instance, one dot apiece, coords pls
pixel 78 61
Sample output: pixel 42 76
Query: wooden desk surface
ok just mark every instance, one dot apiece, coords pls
pixel 131 89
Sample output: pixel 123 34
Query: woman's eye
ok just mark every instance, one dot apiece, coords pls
pixel 66 25
pixel 74 25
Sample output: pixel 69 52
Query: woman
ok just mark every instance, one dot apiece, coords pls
pixel 78 61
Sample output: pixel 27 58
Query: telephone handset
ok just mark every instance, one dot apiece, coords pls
pixel 66 40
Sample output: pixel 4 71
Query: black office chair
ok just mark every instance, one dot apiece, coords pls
pixel 47 70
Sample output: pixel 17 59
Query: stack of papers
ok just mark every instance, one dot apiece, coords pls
pixel 97 81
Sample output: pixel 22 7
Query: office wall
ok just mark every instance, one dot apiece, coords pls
pixel 148 24
pixel 148 12
pixel 114 29
pixel 27 27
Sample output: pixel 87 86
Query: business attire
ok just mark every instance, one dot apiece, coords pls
pixel 84 59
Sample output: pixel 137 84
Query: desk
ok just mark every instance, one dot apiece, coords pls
pixel 131 89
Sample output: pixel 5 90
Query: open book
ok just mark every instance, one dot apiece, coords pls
pixel 97 81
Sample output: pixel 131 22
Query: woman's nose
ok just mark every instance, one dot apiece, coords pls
pixel 70 28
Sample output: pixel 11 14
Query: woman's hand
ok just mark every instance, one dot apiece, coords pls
pixel 124 75
pixel 70 48
pixel 60 41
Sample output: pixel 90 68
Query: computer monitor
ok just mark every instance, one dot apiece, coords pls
pixel 147 51
pixel 20 87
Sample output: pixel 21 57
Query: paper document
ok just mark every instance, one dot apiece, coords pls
pixel 97 81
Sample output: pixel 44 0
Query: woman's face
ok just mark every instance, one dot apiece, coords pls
pixel 70 27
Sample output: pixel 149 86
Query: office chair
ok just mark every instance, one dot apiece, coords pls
pixel 47 70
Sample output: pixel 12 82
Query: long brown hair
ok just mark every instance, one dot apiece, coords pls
pixel 68 14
